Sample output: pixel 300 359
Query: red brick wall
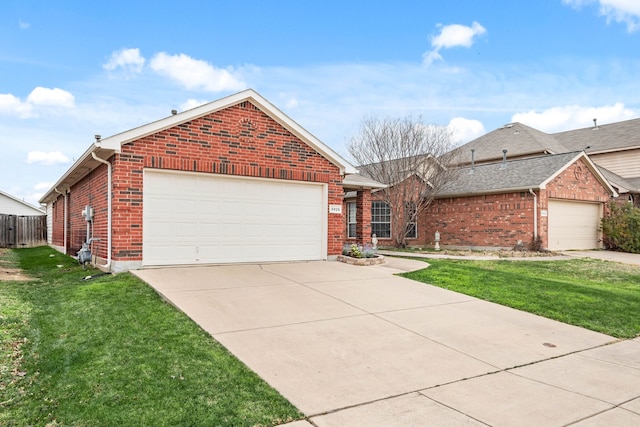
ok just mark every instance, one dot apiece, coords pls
pixel 240 140
pixel 500 220
pixel 363 217
pixel 577 182
pixel 57 222
pixel 497 220
pixel 90 190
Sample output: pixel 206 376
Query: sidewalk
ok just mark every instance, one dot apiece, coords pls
pixel 622 257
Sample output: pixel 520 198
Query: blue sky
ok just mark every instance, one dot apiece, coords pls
pixel 73 69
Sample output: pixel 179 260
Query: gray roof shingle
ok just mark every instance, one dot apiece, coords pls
pixel 519 175
pixel 519 140
pixel 621 184
pixel 603 138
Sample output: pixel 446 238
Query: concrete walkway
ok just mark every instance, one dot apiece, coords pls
pixel 355 346
pixel 622 257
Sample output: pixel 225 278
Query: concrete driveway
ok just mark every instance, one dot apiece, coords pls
pixel 353 346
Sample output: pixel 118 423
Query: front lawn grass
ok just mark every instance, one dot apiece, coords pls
pixel 110 352
pixel 598 295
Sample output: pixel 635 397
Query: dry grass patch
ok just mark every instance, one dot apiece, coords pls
pixel 8 271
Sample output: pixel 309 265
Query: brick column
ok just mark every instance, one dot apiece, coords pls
pixel 363 216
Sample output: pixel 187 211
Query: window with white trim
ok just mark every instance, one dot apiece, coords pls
pixel 381 220
pixel 351 219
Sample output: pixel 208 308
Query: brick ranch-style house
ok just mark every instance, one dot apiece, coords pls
pixel 559 199
pixel 496 210
pixel 614 148
pixel 232 181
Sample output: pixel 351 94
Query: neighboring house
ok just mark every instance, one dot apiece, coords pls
pixel 10 205
pixel 614 148
pixel 527 183
pixel 21 225
pixel 232 181
pixel 557 198
pixel 407 181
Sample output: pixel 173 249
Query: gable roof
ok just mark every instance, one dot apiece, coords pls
pixel 603 138
pixel 622 185
pixel 518 175
pixel 519 140
pixel 11 205
pixel 396 175
pixel 352 181
pixel 106 147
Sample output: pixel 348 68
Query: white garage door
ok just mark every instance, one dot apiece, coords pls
pixel 195 218
pixel 574 225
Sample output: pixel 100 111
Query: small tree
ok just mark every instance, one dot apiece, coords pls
pixel 412 158
pixel 621 228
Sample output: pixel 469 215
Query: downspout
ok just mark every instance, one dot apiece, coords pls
pixel 64 219
pixel 535 214
pixel 107 266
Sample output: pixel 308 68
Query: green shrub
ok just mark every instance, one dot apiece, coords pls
pixel 621 228
pixel 355 251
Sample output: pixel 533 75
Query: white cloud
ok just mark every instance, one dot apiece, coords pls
pixel 47 158
pixel 41 186
pixel 192 103
pixel 576 4
pixel 195 74
pixel 24 25
pixel 39 97
pixel 558 119
pixel 129 60
pixel 454 35
pixel 11 104
pixel 51 97
pixel 623 11
pixel 464 130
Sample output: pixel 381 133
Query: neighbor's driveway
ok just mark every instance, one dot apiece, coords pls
pixel 358 346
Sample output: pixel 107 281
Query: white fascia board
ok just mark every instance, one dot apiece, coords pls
pixel 614 150
pixel 64 183
pixel 22 202
pixel 116 141
pixel 303 134
pixel 59 183
pixel 590 165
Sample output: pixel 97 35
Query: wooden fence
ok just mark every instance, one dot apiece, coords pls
pixel 18 231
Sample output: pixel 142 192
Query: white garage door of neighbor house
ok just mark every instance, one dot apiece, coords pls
pixel 196 218
pixel 574 225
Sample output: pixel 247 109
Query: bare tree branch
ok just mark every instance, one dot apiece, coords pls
pixel 413 158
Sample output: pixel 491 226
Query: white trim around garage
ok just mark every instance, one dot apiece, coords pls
pixel 574 225
pixel 201 218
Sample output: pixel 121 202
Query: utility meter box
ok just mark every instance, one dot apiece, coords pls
pixel 87 213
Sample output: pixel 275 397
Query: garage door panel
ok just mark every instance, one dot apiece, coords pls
pixel 172 253
pixel 159 230
pixel 574 225
pixel 208 229
pixel 221 219
pixel 183 206
pixel 183 229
